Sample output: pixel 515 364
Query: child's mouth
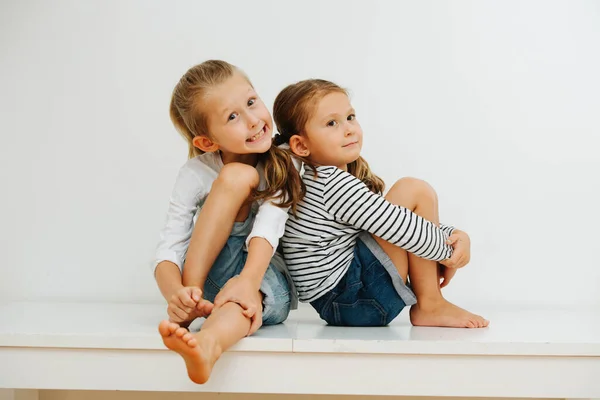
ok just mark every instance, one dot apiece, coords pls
pixel 258 136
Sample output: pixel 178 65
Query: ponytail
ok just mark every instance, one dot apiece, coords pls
pixel 360 169
pixel 282 178
pixel 183 130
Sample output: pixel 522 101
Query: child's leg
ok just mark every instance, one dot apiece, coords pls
pixel 227 324
pixel 226 204
pixel 201 350
pixel 431 308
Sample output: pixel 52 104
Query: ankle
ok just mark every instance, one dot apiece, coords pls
pixel 211 344
pixel 430 301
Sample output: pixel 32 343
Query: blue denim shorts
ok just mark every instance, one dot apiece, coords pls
pixel 371 293
pixel 231 260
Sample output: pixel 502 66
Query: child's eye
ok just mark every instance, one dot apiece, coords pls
pixel 332 123
pixel 251 102
pixel 351 117
pixel 232 116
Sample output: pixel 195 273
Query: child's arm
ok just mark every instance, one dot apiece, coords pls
pixel 349 200
pixel 183 302
pixel 447 229
pixel 168 279
pixel 175 235
pixel 245 288
pixel 461 243
pixel 262 242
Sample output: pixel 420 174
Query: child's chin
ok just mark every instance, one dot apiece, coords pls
pixel 264 147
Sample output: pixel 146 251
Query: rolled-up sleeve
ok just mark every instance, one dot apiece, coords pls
pixel 269 223
pixel 175 235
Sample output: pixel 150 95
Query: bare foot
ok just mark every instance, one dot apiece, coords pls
pixel 444 314
pixel 199 355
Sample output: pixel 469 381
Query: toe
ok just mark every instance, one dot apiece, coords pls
pixel 481 321
pixel 192 342
pixel 180 332
pixel 163 328
pixel 173 327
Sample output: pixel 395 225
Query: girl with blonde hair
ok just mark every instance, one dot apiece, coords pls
pixel 217 257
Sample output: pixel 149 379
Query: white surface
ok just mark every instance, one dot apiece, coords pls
pixel 303 373
pixel 512 332
pixel 493 102
pixel 130 326
pixel 68 346
pixel 107 326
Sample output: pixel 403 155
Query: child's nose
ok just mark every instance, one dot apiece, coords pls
pixel 252 119
pixel 349 128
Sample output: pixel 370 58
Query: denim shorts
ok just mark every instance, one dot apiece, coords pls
pixel 371 293
pixel 229 263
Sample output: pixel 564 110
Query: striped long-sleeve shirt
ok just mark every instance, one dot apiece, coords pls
pixel 318 244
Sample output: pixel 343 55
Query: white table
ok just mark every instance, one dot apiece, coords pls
pixel 107 346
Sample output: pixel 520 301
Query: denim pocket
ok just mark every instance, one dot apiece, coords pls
pixel 363 312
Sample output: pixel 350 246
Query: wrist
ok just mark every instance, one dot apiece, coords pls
pixel 255 278
pixel 194 284
pixel 168 278
pixel 260 252
pixel 168 294
pixel 191 279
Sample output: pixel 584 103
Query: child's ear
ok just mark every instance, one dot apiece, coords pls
pixel 299 146
pixel 205 144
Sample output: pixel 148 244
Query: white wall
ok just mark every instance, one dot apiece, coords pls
pixel 494 103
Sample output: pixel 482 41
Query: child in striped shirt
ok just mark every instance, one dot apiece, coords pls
pixel 350 250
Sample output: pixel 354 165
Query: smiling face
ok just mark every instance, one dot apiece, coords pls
pixel 332 134
pixel 238 122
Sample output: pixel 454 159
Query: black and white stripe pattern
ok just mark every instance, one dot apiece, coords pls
pixel 318 244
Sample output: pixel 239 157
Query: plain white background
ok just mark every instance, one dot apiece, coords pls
pixel 494 103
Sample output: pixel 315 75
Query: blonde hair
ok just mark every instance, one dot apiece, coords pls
pixel 189 119
pixel 292 109
pixel 186 102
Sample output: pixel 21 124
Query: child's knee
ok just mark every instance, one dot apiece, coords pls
pixel 276 297
pixel 276 312
pixel 417 189
pixel 237 176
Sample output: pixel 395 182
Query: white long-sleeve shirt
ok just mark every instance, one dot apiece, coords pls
pixel 318 244
pixel 192 185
